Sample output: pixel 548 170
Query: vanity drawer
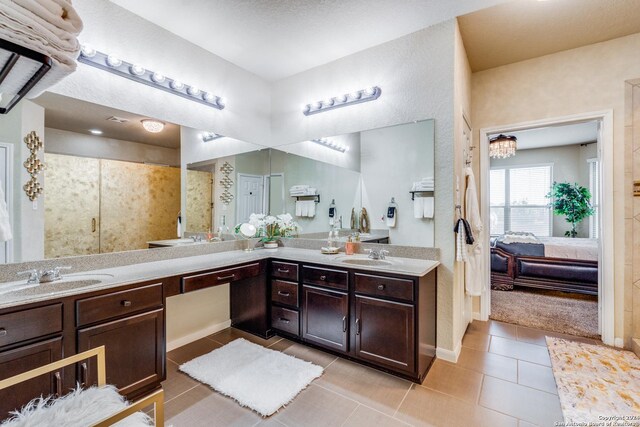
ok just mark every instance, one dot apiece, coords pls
pixel 104 307
pixel 337 279
pixel 284 270
pixel 381 286
pixel 285 320
pixel 284 292
pixel 220 277
pixel 31 323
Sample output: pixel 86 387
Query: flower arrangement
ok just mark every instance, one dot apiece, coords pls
pixel 271 228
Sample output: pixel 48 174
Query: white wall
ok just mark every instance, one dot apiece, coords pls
pixel 77 144
pixel 112 29
pixel 28 217
pixel 392 159
pixel 416 74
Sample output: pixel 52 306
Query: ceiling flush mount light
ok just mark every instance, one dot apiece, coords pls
pixel 365 95
pixel 210 136
pixel 95 131
pixel 137 73
pixel 331 144
pixel 153 126
pixel 503 146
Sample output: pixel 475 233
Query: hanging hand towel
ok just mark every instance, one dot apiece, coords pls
pixel 311 208
pixel 5 224
pixel 418 207
pixel 428 207
pixel 461 245
pixel 391 221
pixel 298 208
pixel 179 227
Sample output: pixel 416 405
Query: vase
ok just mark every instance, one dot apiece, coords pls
pixel 271 245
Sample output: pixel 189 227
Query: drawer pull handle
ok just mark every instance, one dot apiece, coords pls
pixel 283 270
pixel 57 378
pixel 284 294
pixel 3 332
pixel 323 277
pixel 83 374
pixel 344 324
pixel 233 276
pixel 381 287
pixel 357 326
pixel 126 303
pixel 283 320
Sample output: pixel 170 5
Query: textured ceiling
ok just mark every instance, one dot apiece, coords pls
pixel 556 136
pixel 278 38
pixel 61 112
pixel 525 29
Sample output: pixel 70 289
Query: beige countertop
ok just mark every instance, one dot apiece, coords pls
pixel 19 293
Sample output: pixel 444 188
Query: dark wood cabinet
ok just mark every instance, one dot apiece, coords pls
pixel 23 359
pixel 325 317
pixel 384 332
pixel 135 351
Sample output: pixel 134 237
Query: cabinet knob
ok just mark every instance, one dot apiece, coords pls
pixel 3 332
pixel 323 277
pixel 381 287
pixel 126 303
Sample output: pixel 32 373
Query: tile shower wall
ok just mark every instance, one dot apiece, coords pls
pixel 131 203
pixel 632 213
pixel 199 198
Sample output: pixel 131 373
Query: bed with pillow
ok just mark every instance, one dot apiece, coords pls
pixel 554 263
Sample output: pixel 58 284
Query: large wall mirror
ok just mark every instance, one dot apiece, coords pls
pixel 111 184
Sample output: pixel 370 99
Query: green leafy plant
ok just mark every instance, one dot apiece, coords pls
pixel 573 201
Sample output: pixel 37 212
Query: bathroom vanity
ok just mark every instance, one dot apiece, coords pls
pixel 380 315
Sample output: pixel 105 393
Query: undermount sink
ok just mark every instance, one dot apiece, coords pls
pixel 69 282
pixel 366 261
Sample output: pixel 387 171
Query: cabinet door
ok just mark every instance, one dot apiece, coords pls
pixel 325 317
pixel 23 359
pixel 385 333
pixel 135 353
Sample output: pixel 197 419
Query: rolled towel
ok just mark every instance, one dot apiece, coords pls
pixel 418 207
pixel 428 207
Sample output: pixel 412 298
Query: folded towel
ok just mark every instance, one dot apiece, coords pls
pixel 311 210
pixel 298 208
pixel 428 206
pixel 298 187
pixel 418 207
pixel 5 224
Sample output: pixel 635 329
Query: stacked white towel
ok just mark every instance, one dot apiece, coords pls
pixel 425 184
pixel 423 207
pixel 5 224
pixel 303 190
pixel 306 208
pixel 46 26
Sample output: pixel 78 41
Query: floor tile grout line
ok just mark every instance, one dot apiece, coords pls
pixel 403 399
pixel 180 394
pixel 480 389
pixel 352 412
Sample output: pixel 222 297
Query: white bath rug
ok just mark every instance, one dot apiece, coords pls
pixel 256 377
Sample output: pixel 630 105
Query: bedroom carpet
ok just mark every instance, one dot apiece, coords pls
pixel 562 312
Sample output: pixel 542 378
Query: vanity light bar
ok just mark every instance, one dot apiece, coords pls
pixel 365 95
pixel 330 144
pixel 210 136
pixel 139 74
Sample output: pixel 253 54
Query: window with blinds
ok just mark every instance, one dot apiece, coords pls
pixel 517 199
pixel 594 188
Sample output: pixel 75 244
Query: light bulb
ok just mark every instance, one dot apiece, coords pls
pixel 157 77
pixel 342 98
pixel 222 101
pixel 114 61
pixel 88 51
pixel 370 90
pixel 346 148
pixel 328 102
pixel 193 91
pixel 176 85
pixel 137 70
pixel 355 95
pixel 209 97
pixel 317 105
pixel 307 108
pixel 95 131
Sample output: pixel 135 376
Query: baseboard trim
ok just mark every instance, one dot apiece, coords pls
pixel 476 316
pixel 449 355
pixel 194 336
pixel 618 342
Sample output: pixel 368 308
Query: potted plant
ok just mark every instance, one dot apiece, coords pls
pixel 272 228
pixel 573 201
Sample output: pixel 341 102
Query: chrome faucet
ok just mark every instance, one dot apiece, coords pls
pixel 196 238
pixel 43 276
pixel 378 254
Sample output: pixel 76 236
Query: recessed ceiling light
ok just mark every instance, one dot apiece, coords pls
pixel 95 131
pixel 153 126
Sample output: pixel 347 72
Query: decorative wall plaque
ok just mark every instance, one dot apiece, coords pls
pixel 226 197
pixel 33 165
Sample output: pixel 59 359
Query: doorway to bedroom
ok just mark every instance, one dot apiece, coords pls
pixel 544 207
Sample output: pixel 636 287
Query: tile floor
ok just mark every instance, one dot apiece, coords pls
pixel 502 378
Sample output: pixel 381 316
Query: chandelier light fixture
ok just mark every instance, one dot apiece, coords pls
pixel 503 146
pixel 153 126
pixel 139 74
pixel 365 95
